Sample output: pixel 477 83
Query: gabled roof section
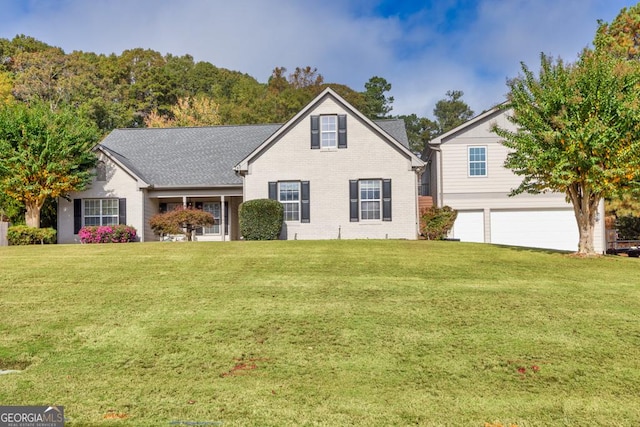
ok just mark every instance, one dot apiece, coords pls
pixel 385 128
pixel 487 115
pixel 185 157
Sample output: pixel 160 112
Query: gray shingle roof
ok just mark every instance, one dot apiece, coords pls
pixel 198 156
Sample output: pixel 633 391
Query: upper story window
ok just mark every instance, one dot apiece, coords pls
pixel 477 161
pixel 101 171
pixel 328 131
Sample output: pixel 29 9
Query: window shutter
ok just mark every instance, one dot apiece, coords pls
pixel 273 190
pixel 77 215
pixel 304 202
pixel 353 200
pixel 342 131
pixel 163 207
pixel 122 211
pixel 315 132
pixel 386 200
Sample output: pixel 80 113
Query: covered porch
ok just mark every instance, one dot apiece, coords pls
pixel 223 204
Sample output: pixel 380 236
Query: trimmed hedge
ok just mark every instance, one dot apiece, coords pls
pixel 436 222
pixel 261 219
pixel 24 235
pixel 107 234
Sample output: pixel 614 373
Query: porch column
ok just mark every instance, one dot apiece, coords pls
pixel 184 201
pixel 223 220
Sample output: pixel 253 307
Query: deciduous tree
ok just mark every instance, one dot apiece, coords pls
pixel 578 132
pixel 43 154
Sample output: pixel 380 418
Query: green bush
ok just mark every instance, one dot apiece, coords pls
pixel 261 219
pixel 23 235
pixel 628 228
pixel 436 222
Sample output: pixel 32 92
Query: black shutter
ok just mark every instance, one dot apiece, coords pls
pixel 353 200
pixel 386 200
pixel 342 131
pixel 315 132
pixel 77 215
pixel 122 211
pixel 163 207
pixel 273 190
pixel 304 205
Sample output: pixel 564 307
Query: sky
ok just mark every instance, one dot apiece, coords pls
pixel 423 48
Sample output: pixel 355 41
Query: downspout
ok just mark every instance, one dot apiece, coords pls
pixel 439 191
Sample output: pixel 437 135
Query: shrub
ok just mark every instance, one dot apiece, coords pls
pixel 107 234
pixel 628 228
pixel 180 220
pixel 24 235
pixel 261 219
pixel 437 222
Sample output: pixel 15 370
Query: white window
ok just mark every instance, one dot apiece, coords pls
pixel 100 212
pixel 214 209
pixel 370 199
pixel 328 131
pixel 289 196
pixel 477 161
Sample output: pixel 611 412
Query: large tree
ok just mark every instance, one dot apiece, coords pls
pixel 44 154
pixel 578 132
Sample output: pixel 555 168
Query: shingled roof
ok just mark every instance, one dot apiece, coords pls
pixel 198 156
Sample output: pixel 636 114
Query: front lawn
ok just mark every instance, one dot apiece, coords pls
pixel 329 333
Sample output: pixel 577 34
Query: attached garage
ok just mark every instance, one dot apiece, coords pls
pixel 551 229
pixel 469 226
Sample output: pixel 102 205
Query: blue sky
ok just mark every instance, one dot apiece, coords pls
pixel 423 48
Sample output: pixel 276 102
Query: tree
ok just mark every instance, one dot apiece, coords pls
pixel 6 85
pixel 199 111
pixel 451 112
pixel 578 132
pixel 377 104
pixel 44 154
pixel 622 36
pixel 180 220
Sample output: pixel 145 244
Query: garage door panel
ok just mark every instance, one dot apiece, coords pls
pixel 551 229
pixel 469 226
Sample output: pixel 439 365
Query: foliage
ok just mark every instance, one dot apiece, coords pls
pixel 25 235
pixel 199 111
pixel 180 220
pixel 620 37
pixel 107 234
pixel 341 333
pixel 378 105
pixel 437 222
pixel 6 86
pixel 577 132
pixel 261 219
pixel 628 227
pixel 44 154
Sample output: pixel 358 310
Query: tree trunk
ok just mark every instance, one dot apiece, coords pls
pixel 32 216
pixel 585 207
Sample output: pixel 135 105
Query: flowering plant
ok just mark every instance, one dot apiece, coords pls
pixel 107 234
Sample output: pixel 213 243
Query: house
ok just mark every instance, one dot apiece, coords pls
pixel 337 173
pixel 467 173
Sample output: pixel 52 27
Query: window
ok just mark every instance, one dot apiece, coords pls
pixel 214 209
pixel 477 161
pixel 101 171
pixel 328 131
pixel 101 212
pixel 289 196
pixel 370 199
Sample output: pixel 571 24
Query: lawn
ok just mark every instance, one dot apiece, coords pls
pixel 331 333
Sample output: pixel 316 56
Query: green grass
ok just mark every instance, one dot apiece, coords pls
pixel 330 333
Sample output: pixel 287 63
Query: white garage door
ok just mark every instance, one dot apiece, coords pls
pixel 550 229
pixel 469 226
